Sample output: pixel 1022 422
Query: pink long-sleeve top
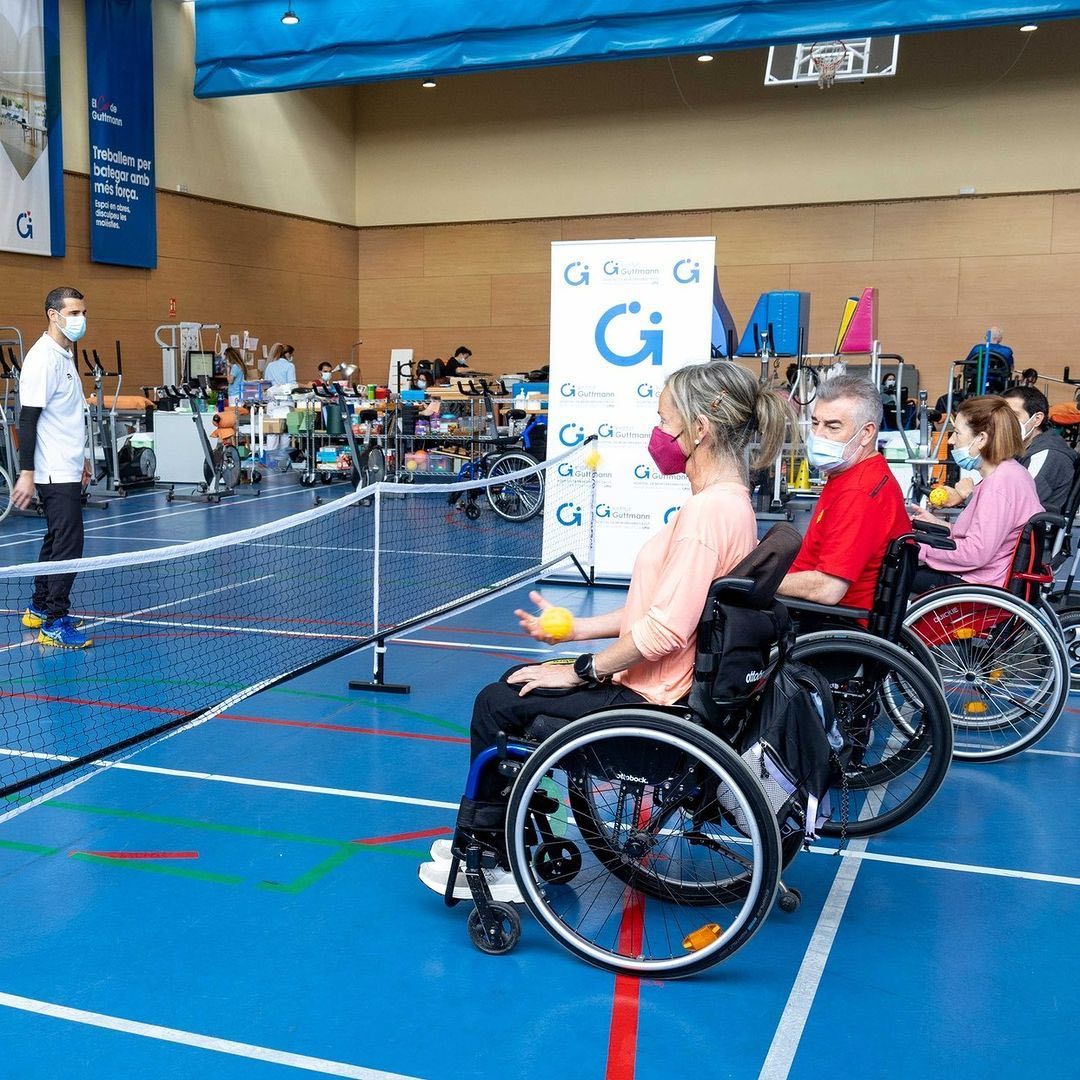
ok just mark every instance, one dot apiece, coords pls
pixel 989 526
pixel 709 535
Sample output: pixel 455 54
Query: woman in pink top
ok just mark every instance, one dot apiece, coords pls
pixel 709 414
pixel 986 436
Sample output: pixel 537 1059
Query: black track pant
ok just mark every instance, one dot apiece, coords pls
pixel 62 505
pixel 499 707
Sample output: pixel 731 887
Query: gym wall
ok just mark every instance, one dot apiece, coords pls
pixel 946 269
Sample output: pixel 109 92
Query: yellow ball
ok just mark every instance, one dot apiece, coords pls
pixel 592 459
pixel 410 466
pixel 939 496
pixel 557 623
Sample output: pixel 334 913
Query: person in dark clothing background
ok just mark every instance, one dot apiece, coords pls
pixel 1046 455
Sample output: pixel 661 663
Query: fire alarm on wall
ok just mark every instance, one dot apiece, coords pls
pixel 172 307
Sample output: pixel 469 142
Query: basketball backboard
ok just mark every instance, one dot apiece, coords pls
pixel 859 59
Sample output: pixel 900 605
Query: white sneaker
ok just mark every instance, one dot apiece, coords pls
pixel 500 882
pixel 442 851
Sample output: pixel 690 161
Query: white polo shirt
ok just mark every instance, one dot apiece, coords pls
pixel 50 382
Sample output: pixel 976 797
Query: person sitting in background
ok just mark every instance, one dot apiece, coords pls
pixel 1000 365
pixel 1046 455
pixel 281 370
pixel 325 376
pixel 709 413
pixel 1029 376
pixel 861 509
pixel 986 436
pixel 234 365
pixel 459 360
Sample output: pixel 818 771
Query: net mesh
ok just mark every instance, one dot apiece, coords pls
pixel 185 633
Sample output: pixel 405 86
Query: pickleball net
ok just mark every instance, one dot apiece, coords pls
pixel 185 633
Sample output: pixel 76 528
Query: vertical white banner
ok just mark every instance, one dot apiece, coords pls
pixel 31 140
pixel 624 315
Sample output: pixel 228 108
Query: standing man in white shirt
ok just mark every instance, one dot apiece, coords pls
pixel 52 451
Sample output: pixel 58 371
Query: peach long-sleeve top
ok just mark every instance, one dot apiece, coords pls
pixel 709 535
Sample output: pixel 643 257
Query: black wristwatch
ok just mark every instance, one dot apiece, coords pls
pixel 585 670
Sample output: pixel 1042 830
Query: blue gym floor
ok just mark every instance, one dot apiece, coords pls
pixel 287 931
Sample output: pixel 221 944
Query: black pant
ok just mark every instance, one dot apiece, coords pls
pixel 62 505
pixel 927 578
pixel 499 707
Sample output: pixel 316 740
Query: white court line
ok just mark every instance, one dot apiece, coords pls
pixel 397 551
pixel 1054 753
pixel 467 645
pixel 789 1031
pixel 192 1038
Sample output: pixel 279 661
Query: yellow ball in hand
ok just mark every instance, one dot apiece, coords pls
pixel 939 496
pixel 557 623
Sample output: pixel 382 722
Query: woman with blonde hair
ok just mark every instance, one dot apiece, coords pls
pixel 987 437
pixel 709 415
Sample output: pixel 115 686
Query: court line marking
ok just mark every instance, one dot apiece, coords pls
pixel 788 1034
pixel 1055 753
pixel 469 645
pixel 195 1039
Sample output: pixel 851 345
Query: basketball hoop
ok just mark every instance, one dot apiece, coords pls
pixel 827 57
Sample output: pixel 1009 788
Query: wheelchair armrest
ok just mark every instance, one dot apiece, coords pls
pixel 837 611
pixel 731 589
pixel 1046 518
pixel 935 536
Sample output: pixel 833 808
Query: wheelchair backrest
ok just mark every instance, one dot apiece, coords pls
pixel 1068 511
pixel 740 625
pixel 893 588
pixel 1030 569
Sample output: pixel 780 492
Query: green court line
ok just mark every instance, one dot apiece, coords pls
pixel 159 868
pixel 345 849
pixel 33 849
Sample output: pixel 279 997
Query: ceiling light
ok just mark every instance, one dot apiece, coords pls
pixel 290 18
pixel 1027 28
pixel 704 58
pixel 429 84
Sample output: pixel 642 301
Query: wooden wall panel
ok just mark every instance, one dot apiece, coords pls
pixel 930 229
pixel 521 300
pixel 1066 224
pixel 794 234
pixel 511 247
pixel 281 278
pixel 444 301
pixel 391 253
pixel 621 226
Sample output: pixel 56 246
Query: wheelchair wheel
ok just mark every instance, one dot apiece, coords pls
pixel 1070 626
pixel 519 499
pixel 1004 668
pixel 895 722
pixel 680 814
pixel 5 495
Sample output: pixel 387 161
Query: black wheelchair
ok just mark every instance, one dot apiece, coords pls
pixel 647 844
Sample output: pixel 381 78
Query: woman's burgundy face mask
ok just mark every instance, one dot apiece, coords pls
pixel 664 449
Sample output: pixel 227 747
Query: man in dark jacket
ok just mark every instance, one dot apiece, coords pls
pixel 1047 456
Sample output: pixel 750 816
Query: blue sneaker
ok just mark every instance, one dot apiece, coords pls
pixel 62 633
pixel 34 618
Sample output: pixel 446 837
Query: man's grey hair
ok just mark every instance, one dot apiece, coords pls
pixel 996 334
pixel 860 391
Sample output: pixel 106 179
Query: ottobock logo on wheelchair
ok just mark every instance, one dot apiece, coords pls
pixel 568 513
pixel 652 341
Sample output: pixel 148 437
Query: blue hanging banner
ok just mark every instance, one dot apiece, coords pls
pixel 31 137
pixel 120 87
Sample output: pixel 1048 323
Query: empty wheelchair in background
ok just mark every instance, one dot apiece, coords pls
pixel 650 840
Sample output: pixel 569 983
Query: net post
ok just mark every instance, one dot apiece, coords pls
pixel 378 657
pixel 591 577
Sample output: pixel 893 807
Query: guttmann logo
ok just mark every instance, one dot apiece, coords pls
pixel 571 434
pixel 568 513
pixel 576 273
pixel 652 341
pixel 24 225
pixel 686 271
pixel 670 512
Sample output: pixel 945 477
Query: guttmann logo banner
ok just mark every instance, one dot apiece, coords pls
pixel 120 86
pixel 31 135
pixel 624 315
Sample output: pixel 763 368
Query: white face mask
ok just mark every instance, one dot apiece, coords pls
pixel 74 326
pixel 1028 428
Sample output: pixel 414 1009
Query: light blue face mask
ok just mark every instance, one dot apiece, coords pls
pixel 74 327
pixel 964 459
pixel 827 455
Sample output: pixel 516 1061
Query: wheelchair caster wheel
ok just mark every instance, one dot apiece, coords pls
pixel 505 932
pixel 472 512
pixel 789 901
pixel 557 862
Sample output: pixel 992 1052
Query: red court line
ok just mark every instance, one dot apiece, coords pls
pixel 421 835
pixel 622 1039
pixel 347 728
pixel 139 854
pixel 91 702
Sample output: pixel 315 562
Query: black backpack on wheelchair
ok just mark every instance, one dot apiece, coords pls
pixel 776 712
